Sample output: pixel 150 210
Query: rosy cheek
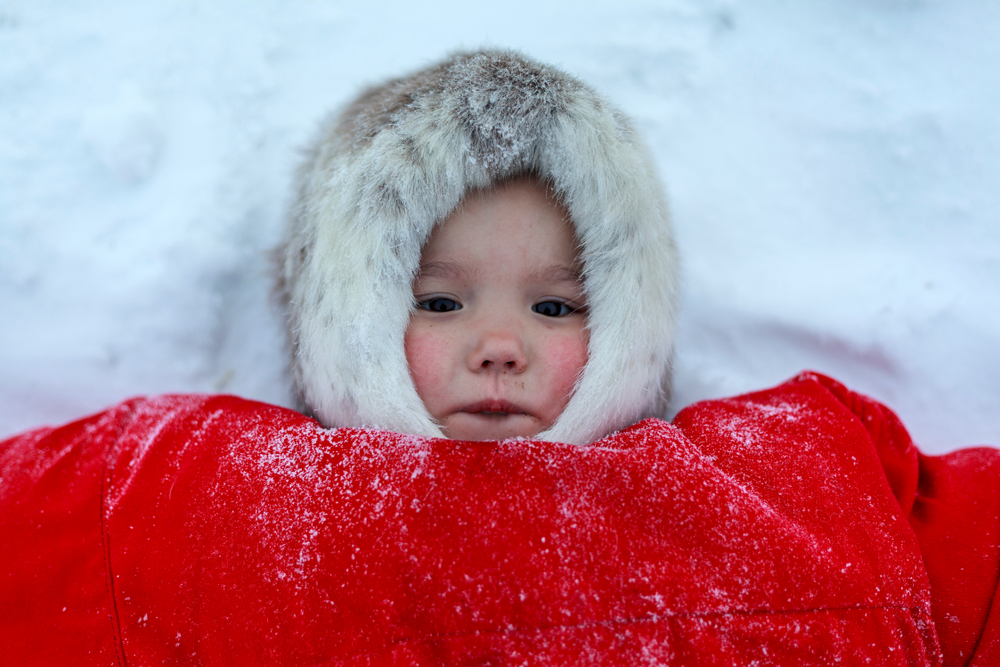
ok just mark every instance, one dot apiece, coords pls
pixel 569 356
pixel 426 354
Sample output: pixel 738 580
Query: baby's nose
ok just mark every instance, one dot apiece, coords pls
pixel 500 351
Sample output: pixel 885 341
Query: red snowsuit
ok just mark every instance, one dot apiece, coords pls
pixel 796 526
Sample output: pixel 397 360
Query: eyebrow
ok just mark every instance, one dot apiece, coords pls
pixel 447 270
pixel 558 273
pixel 452 270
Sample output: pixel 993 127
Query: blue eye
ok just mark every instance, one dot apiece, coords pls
pixel 440 304
pixel 553 309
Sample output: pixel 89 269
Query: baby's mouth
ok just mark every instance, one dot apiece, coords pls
pixel 494 408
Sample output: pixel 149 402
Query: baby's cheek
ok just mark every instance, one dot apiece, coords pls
pixel 569 356
pixel 427 354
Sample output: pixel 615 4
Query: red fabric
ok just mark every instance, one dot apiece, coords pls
pixel 953 505
pixel 755 530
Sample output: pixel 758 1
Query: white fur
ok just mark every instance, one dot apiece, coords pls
pixel 399 160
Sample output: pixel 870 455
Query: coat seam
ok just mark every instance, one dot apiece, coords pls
pixel 913 610
pixel 110 458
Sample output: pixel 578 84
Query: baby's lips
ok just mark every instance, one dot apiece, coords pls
pixel 494 405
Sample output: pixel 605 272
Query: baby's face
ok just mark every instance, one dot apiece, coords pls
pixel 499 334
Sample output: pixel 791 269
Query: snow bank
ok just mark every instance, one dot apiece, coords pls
pixel 832 168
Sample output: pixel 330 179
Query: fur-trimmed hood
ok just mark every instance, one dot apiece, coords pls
pixel 397 161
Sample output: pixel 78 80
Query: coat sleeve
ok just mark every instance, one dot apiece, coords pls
pixel 953 505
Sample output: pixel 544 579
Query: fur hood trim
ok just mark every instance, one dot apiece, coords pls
pixel 397 161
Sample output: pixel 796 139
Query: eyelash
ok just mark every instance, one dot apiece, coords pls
pixel 443 304
pixel 564 309
pixel 441 301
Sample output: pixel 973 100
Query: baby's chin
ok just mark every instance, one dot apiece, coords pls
pixel 495 426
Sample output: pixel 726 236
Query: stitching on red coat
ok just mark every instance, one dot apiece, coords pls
pixel 111 456
pixel 914 612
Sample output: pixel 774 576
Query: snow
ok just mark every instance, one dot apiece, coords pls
pixel 832 168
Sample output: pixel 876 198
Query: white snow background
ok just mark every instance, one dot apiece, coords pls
pixel 833 169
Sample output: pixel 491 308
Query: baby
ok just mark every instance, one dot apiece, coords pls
pixel 480 250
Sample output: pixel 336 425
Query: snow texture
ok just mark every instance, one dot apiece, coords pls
pixel 832 169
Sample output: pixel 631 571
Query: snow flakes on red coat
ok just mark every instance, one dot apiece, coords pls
pixel 755 530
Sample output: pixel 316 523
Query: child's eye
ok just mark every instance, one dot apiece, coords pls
pixel 440 304
pixel 553 309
